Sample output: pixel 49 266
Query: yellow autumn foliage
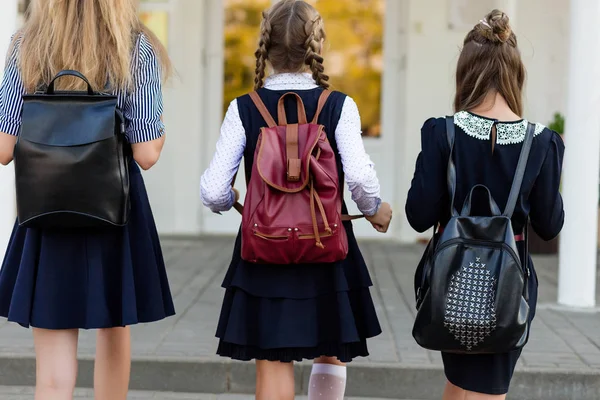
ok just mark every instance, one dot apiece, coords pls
pixel 353 51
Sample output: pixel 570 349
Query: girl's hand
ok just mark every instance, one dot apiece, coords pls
pixel 381 220
pixel 236 195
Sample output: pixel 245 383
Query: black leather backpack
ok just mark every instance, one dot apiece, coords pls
pixel 471 284
pixel 71 160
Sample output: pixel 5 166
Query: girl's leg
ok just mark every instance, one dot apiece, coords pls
pixel 113 364
pixel 274 380
pixel 327 379
pixel 56 363
pixel 453 392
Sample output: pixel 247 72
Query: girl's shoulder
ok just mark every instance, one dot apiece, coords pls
pixel 478 127
pixel 336 99
pixel 144 52
pixel 15 44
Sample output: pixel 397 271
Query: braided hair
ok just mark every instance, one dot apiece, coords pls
pixel 291 36
pixel 315 34
pixel 262 52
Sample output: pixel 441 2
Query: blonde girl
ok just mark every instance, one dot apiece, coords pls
pixel 60 281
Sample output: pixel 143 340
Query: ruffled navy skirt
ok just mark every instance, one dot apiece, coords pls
pixel 87 279
pixel 293 312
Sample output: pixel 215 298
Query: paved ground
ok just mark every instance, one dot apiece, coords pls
pixel 177 354
pixel 26 393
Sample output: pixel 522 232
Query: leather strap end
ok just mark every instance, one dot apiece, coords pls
pixel 351 217
pixel 238 207
pixel 294 166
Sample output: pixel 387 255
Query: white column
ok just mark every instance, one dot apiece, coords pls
pixel 8 25
pixel 578 247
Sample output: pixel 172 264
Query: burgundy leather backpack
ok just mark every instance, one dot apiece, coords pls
pixel 293 206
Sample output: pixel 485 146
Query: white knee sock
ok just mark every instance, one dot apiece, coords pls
pixel 327 382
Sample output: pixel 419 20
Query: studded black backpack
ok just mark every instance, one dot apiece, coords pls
pixel 471 284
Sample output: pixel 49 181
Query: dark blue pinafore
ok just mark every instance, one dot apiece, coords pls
pixel 293 312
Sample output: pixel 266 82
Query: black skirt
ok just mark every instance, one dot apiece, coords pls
pixel 88 278
pixel 293 312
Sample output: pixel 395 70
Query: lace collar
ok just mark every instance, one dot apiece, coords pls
pixel 481 128
pixel 290 81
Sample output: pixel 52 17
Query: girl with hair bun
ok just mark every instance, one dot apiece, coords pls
pixel 490 132
pixel 285 313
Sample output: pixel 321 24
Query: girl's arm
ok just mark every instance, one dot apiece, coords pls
pixel 216 192
pixel 547 213
pixel 143 109
pixel 359 170
pixel 428 199
pixel 11 103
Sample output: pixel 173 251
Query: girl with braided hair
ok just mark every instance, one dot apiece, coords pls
pixel 285 313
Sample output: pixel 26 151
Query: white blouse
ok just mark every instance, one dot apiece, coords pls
pixel 359 170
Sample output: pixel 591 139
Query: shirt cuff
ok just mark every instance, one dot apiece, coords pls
pixel 145 134
pixel 228 205
pixel 373 210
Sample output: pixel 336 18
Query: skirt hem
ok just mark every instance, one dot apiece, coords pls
pixel 345 352
pixel 29 325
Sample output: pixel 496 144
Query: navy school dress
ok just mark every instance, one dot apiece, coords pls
pixel 428 204
pixel 293 312
pixel 90 278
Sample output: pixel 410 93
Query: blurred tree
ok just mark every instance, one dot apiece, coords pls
pixel 242 27
pixel 353 51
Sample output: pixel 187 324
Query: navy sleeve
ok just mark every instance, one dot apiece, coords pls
pixel 547 214
pixel 428 197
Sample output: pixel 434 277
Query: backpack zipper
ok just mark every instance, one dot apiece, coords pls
pixel 270 237
pixel 312 236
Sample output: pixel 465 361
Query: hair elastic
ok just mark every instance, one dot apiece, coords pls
pixel 484 22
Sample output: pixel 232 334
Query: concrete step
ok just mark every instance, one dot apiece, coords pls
pixel 26 393
pixel 393 381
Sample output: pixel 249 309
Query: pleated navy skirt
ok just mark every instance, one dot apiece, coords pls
pixel 293 312
pixel 488 373
pixel 88 279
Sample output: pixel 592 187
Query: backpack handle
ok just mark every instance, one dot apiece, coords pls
pixel 281 118
pixel 494 209
pixel 70 72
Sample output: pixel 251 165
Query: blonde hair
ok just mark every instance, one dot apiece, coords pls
pixel 291 36
pixel 94 37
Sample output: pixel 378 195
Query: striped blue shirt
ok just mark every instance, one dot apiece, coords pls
pixel 142 107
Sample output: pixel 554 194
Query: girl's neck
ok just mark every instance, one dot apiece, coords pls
pixel 301 71
pixel 495 107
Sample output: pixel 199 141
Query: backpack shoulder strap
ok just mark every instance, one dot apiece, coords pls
pixel 451 174
pixel 262 109
pixel 322 100
pixel 515 190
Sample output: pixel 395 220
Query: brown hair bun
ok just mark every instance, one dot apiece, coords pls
pixel 496 27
